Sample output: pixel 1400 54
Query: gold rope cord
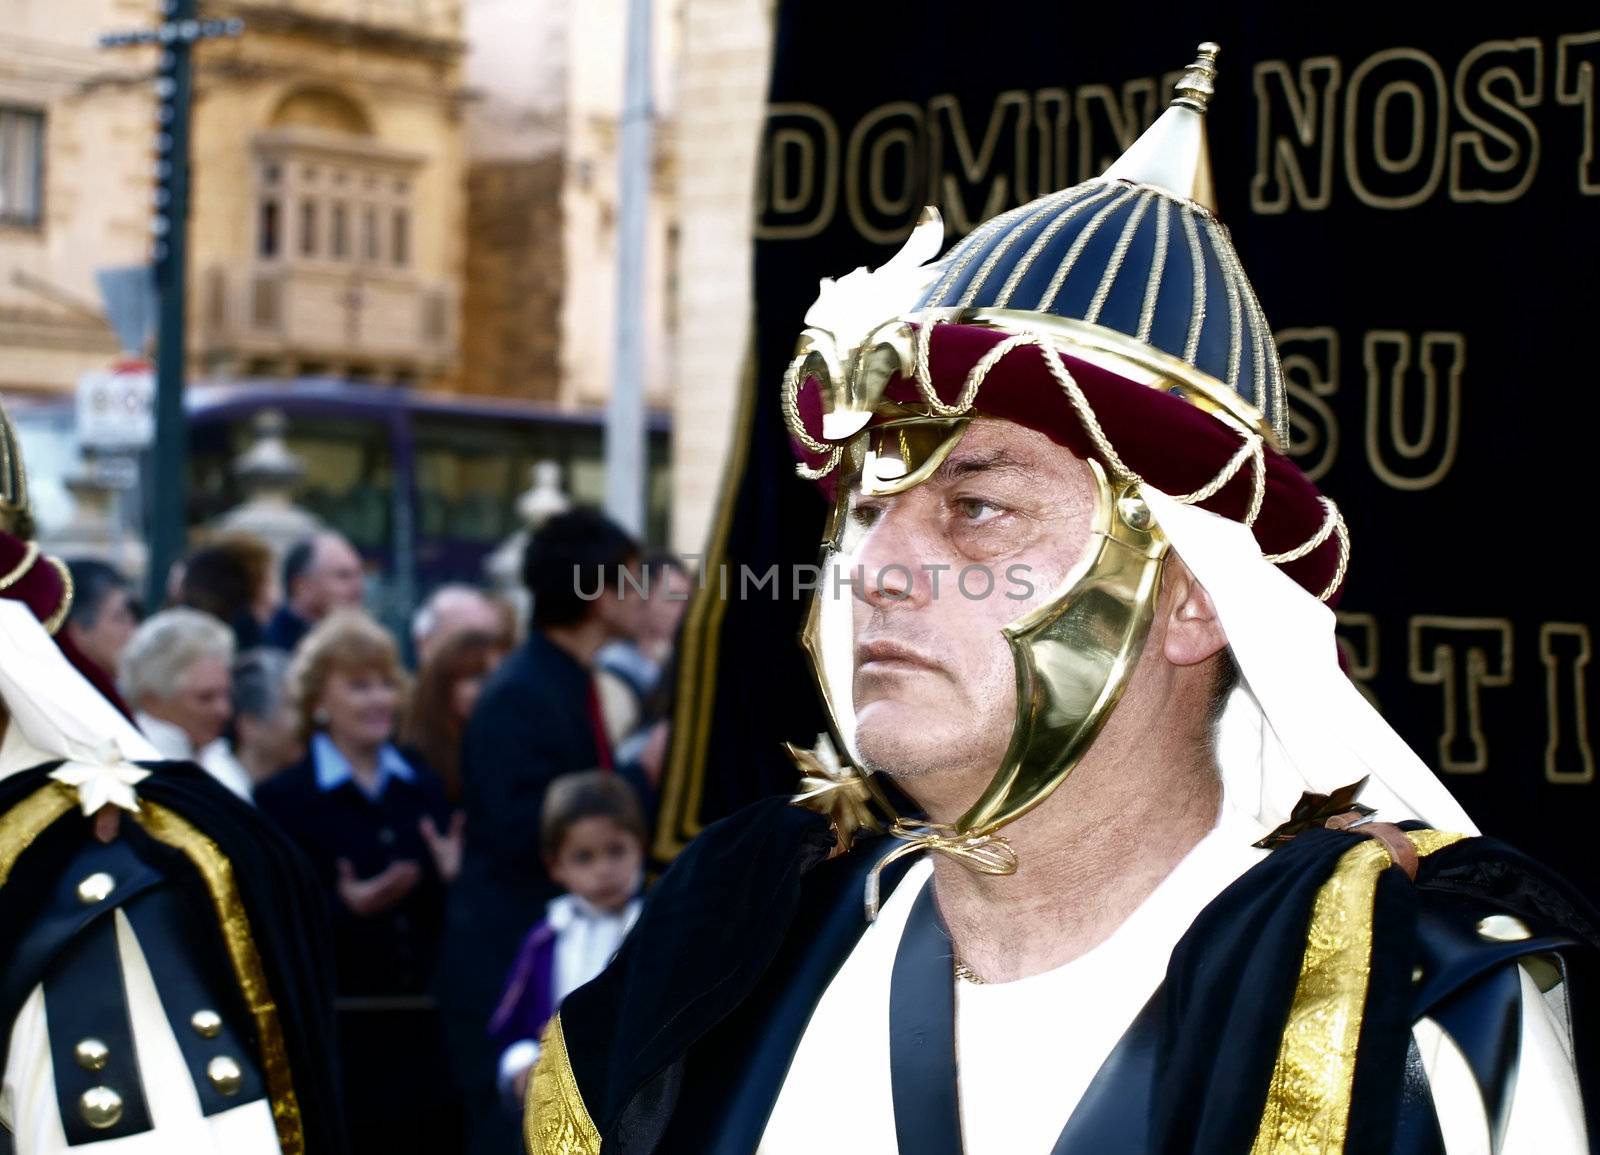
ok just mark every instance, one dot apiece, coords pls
pixel 28 819
pixel 169 827
pixel 1308 1100
pixel 555 1121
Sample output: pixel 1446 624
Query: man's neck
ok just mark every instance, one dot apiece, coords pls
pixel 1087 857
pixel 583 640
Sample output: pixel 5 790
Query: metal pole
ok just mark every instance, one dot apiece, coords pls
pixel 168 500
pixel 625 431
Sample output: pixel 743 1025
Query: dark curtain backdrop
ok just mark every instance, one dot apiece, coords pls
pixel 1417 200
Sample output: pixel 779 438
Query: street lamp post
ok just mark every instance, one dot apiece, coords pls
pixel 625 432
pixel 176 36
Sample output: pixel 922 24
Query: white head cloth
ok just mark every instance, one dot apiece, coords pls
pixel 55 712
pixel 1296 723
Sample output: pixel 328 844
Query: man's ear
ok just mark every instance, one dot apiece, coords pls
pixel 1194 632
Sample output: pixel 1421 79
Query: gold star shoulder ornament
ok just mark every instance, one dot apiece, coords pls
pixel 836 789
pixel 104 778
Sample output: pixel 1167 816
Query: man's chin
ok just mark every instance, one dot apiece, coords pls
pixel 899 740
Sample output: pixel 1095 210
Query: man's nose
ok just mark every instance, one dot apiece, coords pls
pixel 891 564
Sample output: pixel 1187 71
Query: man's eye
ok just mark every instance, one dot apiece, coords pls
pixel 866 515
pixel 975 509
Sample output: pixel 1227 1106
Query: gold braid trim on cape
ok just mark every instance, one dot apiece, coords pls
pixel 1308 1101
pixel 555 1121
pixel 168 826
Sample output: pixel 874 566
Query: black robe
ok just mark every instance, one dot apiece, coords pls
pixel 682 1044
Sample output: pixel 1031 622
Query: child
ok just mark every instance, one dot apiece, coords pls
pixel 593 837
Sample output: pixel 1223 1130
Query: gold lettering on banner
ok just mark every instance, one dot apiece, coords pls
pixel 1416 76
pixel 1311 373
pixel 1501 174
pixel 1399 460
pixel 884 160
pixel 1564 648
pixel 797 188
pixel 1577 58
pixel 1052 114
pixel 1284 154
pixel 973 168
pixel 1108 124
pixel 1357 637
pixel 1462 656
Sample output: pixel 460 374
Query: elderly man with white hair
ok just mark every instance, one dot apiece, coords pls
pixel 452 609
pixel 176 675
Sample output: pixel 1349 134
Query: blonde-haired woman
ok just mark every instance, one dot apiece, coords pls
pixel 373 820
pixel 376 825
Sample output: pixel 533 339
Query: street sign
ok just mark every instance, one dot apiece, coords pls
pixel 116 408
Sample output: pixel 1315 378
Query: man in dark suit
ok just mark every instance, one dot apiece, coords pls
pixel 320 574
pixel 537 718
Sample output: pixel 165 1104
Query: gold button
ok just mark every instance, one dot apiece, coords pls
pixel 1504 928
pixel 91 1054
pixel 101 1107
pixel 225 1075
pixel 206 1024
pixel 96 888
pixel 1416 974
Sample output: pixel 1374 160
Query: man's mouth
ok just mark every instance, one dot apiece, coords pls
pixel 885 656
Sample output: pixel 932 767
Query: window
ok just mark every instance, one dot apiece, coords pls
pixel 21 166
pixel 267 233
pixel 339 242
pixel 308 228
pixel 369 234
pixel 402 227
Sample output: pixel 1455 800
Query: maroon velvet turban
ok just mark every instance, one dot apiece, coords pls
pixel 1175 446
pixel 42 583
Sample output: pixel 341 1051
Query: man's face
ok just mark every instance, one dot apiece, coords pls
pixel 199 705
pixel 103 641
pixel 946 565
pixel 622 607
pixel 337 581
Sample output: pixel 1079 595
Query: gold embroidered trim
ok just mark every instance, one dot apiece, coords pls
pixel 555 1121
pixel 1231 284
pixel 975 241
pixel 169 827
pixel 1119 256
pixel 1004 246
pixel 1042 241
pixel 28 819
pixel 1079 243
pixel 1158 266
pixel 1197 314
pixel 54 622
pixel 1308 1100
pixel 30 554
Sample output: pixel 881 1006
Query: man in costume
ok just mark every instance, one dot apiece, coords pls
pixel 1109 824
pixel 164 984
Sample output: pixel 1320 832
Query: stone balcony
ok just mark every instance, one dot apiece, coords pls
pixel 370 323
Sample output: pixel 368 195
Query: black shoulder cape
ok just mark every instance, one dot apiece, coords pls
pixel 682 1044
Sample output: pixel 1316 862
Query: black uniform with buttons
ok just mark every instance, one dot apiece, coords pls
pixel 71 949
pixel 391 953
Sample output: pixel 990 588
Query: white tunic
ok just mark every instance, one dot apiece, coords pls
pixel 1030 1048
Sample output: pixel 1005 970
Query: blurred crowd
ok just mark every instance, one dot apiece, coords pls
pixel 475 796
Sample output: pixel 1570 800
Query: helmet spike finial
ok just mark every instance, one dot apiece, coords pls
pixel 1198 85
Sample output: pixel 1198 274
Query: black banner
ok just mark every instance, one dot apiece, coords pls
pixel 1417 202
